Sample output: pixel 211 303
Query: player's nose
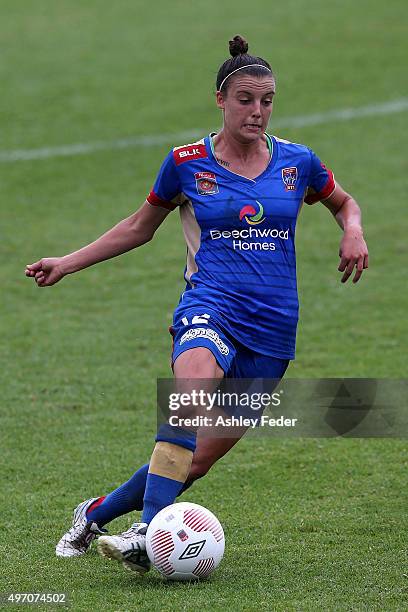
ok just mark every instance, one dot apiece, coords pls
pixel 256 109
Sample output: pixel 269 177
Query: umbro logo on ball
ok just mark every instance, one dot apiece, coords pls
pixel 192 550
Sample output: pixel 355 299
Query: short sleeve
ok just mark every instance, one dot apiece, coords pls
pixel 167 186
pixel 321 181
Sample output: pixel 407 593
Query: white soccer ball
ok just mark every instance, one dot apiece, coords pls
pixel 185 541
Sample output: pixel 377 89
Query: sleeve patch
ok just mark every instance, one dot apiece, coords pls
pixel 189 152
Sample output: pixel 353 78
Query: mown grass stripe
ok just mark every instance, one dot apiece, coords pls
pixel 85 148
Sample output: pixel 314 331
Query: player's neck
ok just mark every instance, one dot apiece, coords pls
pixel 229 147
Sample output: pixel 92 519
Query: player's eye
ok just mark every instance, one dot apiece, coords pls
pixel 267 102
pixel 244 101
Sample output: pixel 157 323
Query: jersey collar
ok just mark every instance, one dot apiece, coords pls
pixel 271 143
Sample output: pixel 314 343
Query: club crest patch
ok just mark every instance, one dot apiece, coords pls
pixel 206 183
pixel 289 177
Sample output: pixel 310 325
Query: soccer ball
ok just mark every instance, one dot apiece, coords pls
pixel 185 541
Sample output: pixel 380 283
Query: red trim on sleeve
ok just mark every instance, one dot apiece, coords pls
pixel 323 193
pixel 154 200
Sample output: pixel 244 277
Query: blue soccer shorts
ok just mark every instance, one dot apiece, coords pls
pixel 236 360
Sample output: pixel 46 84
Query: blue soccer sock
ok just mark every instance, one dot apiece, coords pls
pixel 185 486
pixel 124 499
pixel 144 490
pixel 160 492
pixel 168 470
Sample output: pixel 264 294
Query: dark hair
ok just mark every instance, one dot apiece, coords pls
pixel 238 48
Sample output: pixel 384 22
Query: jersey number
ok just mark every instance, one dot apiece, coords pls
pixel 196 319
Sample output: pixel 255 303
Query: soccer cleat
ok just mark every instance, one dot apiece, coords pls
pixel 128 547
pixel 79 538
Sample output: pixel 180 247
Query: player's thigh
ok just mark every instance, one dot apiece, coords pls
pixel 201 348
pixel 197 362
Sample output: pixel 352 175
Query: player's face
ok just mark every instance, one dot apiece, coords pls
pixel 247 106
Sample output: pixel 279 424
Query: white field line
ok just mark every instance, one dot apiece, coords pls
pixel 83 148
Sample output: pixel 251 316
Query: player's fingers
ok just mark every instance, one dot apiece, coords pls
pixel 29 271
pixel 366 262
pixel 34 267
pixel 349 269
pixel 342 264
pixel 39 274
pixel 357 276
pixel 359 271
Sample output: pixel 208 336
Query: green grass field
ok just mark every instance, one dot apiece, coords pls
pixel 311 524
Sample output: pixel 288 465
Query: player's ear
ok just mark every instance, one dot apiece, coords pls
pixel 220 100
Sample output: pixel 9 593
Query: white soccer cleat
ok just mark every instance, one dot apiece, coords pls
pixel 79 538
pixel 128 547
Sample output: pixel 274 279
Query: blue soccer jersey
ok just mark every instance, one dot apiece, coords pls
pixel 240 235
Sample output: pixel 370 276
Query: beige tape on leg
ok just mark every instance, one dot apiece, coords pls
pixel 171 461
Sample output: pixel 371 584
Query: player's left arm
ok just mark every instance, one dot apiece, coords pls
pixel 353 250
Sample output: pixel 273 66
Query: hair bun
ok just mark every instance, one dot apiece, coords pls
pixel 238 46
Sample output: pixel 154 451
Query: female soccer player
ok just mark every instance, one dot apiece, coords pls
pixel 239 193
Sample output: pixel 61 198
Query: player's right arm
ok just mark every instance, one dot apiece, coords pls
pixel 130 233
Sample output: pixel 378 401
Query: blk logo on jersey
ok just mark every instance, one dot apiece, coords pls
pixel 189 153
pixel 289 177
pixel 206 183
pixel 251 215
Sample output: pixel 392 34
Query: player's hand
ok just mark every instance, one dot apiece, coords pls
pixel 46 272
pixel 353 253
